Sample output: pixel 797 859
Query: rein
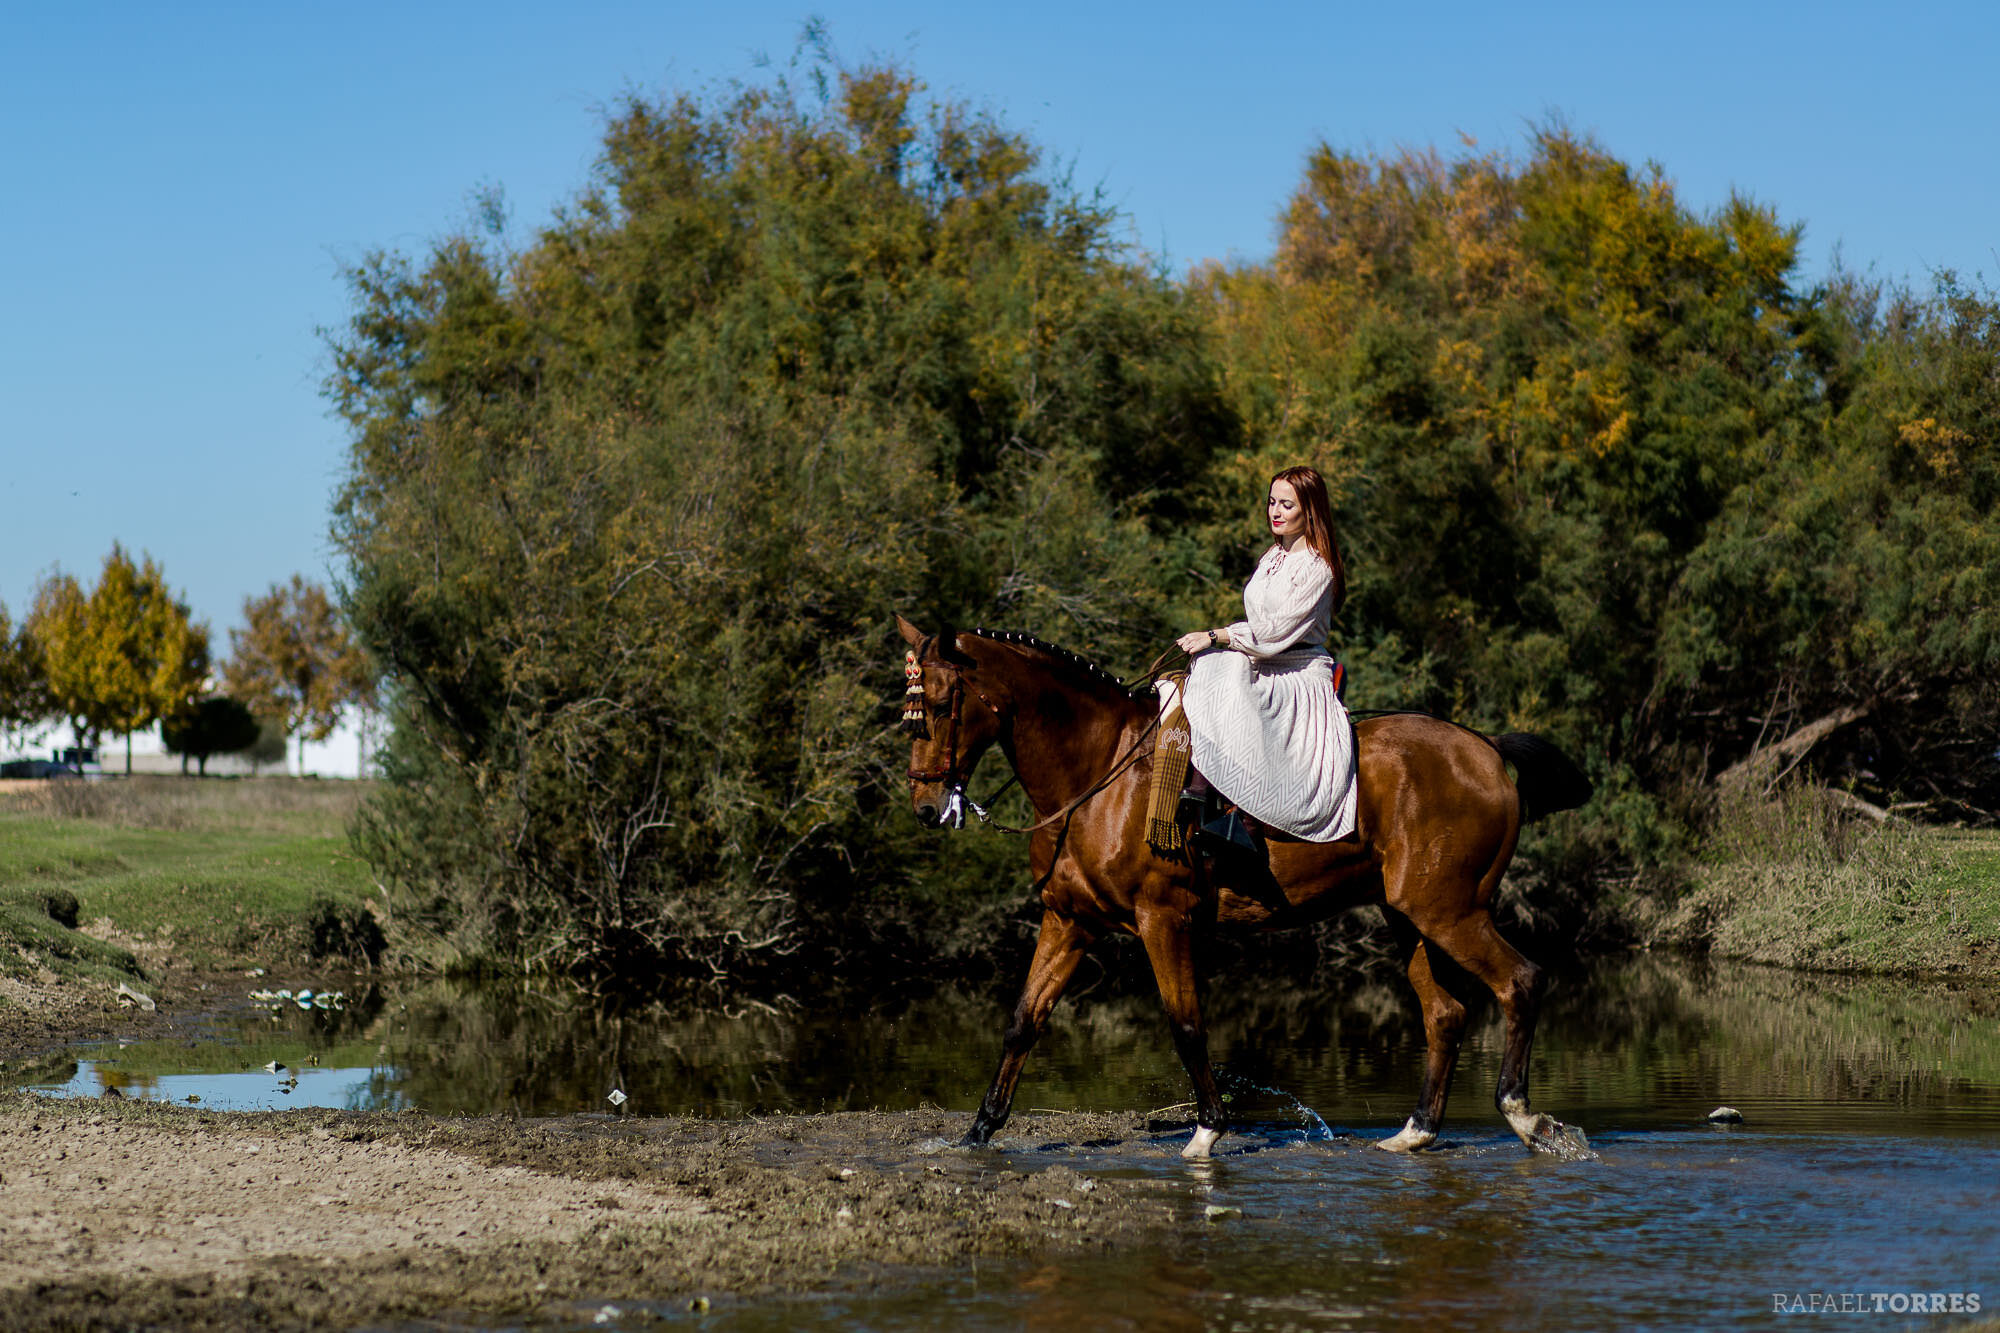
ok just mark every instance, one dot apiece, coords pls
pixel 1130 758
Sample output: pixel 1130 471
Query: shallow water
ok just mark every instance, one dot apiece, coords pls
pixel 1665 1229
pixel 1866 1165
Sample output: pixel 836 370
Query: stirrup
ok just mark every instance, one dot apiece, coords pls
pixel 1229 832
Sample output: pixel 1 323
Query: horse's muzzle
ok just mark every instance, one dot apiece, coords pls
pixel 951 814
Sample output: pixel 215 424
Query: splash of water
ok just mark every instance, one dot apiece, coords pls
pixel 1316 1128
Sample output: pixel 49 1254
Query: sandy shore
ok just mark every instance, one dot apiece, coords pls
pixel 119 1214
pixel 124 1214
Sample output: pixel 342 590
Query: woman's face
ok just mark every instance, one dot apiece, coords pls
pixel 1288 518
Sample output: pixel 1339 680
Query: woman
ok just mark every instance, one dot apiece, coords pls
pixel 1263 707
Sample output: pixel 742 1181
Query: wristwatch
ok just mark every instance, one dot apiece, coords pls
pixel 1213 642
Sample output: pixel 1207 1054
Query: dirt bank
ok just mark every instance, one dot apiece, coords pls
pixel 41 1011
pixel 121 1214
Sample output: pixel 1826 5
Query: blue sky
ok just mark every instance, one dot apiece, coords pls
pixel 180 185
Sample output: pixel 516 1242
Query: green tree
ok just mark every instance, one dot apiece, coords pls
pixel 270 747
pixel 58 625
pixel 1605 472
pixel 295 661
pixel 1535 384
pixel 123 657
pixel 213 725
pixel 1857 574
pixel 629 512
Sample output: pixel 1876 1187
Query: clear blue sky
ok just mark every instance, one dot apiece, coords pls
pixel 180 184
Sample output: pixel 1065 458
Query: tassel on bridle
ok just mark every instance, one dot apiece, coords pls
pixel 915 720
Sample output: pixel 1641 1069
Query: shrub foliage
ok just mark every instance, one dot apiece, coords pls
pixel 630 509
pixel 631 503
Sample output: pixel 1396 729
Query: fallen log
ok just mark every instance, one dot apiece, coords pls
pixel 1770 763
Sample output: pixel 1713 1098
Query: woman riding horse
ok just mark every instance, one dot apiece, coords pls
pixel 1263 706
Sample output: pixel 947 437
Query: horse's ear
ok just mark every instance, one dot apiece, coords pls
pixel 911 634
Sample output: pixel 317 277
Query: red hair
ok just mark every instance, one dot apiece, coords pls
pixel 1310 487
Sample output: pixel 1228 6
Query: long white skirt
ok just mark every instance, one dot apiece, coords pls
pixel 1272 735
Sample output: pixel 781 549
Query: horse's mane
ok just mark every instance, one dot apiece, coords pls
pixel 1082 665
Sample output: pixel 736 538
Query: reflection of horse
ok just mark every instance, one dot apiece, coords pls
pixel 1437 823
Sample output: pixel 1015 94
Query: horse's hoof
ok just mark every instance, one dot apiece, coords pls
pixel 1408 1139
pixel 1198 1146
pixel 1551 1136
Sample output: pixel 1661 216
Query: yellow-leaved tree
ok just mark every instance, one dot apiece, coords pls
pixel 122 657
pixel 23 695
pixel 294 661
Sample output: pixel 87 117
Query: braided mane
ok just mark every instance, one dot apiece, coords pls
pixel 1083 664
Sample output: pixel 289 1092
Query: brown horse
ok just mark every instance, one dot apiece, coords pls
pixel 1436 827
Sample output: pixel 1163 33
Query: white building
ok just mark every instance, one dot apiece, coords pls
pixel 344 754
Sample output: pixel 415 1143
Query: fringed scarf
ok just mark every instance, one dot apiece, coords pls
pixel 1173 753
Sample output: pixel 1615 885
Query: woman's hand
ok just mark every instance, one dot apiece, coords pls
pixel 1201 640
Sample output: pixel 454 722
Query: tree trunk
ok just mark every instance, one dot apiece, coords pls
pixel 128 754
pixel 1770 764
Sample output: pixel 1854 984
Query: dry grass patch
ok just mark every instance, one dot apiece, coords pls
pixel 1798 881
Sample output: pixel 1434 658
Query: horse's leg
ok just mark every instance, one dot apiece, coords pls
pixel 1444 1026
pixel 1473 942
pixel 1058 949
pixel 1169 942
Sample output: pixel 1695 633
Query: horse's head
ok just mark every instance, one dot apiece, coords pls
pixel 952 717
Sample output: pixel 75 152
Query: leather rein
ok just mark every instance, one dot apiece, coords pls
pixel 956 800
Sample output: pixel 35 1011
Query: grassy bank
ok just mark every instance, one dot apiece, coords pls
pixel 179 872
pixel 101 882
pixel 1798 881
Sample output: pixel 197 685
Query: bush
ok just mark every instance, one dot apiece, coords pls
pixel 631 511
pixel 346 932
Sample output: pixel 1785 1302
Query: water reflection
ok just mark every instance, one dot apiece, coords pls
pixel 1640 1043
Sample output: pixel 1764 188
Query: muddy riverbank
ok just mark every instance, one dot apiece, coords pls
pixel 125 1214
pixel 121 1213
pixel 792 1169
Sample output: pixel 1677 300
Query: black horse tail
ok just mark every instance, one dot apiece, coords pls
pixel 1544 776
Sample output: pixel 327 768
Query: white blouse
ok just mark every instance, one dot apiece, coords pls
pixel 1265 719
pixel 1288 604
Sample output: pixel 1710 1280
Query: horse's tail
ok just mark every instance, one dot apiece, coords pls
pixel 1545 777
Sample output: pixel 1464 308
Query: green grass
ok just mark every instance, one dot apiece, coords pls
pixel 221 874
pixel 1794 882
pixel 32 941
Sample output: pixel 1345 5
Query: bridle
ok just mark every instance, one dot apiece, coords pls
pixel 947 773
pixel 956 801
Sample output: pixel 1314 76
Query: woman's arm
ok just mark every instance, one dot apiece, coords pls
pixel 1278 623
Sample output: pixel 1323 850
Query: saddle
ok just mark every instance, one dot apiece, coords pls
pixel 1183 807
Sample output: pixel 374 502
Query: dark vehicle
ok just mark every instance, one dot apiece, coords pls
pixel 37 768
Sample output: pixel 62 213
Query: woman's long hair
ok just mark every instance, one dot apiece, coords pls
pixel 1310 487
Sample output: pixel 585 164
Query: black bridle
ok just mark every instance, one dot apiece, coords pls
pixel 954 782
pixel 947 773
